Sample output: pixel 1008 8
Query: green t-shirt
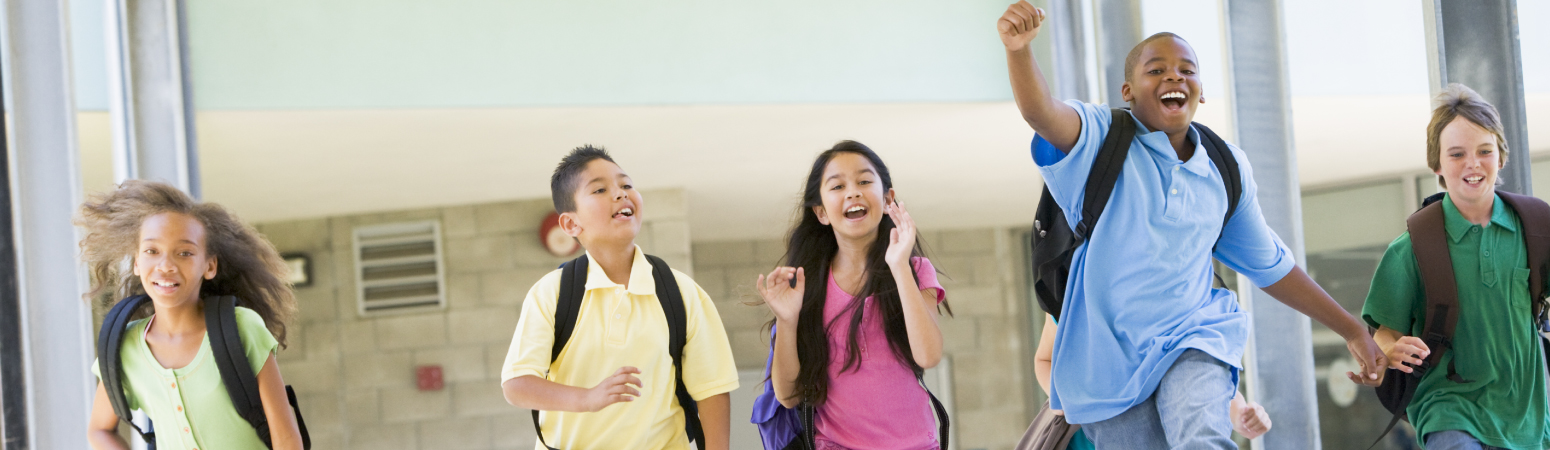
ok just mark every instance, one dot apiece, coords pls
pixel 189 406
pixel 1495 343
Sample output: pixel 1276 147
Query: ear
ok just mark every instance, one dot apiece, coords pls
pixel 1202 97
pixel 819 211
pixel 569 224
pixel 1124 93
pixel 210 271
pixel 890 197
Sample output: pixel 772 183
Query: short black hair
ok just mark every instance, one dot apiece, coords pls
pixel 1134 56
pixel 562 186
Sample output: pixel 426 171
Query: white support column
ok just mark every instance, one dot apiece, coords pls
pixel 1475 42
pixel 54 352
pixel 1262 113
pixel 1118 30
pixel 149 93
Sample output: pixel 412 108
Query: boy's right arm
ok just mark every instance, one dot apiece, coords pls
pixel 532 392
pixel 1400 349
pixel 1057 122
pixel 102 429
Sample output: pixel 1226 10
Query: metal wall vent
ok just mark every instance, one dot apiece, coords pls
pixel 399 268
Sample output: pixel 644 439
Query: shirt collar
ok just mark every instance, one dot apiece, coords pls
pixel 1158 143
pixel 1457 225
pixel 641 280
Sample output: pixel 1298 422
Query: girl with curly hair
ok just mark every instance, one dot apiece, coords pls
pixel 149 238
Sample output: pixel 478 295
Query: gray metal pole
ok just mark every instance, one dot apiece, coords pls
pixel 45 188
pixel 1118 30
pixel 1070 50
pixel 1476 43
pixel 151 101
pixel 1262 113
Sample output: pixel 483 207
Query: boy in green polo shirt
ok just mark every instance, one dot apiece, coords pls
pixel 1495 351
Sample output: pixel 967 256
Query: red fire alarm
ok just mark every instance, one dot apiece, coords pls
pixel 429 378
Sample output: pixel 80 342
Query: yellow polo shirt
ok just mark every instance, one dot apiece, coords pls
pixel 617 327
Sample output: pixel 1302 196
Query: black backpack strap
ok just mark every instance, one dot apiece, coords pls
pixel 942 422
pixel 1105 171
pixel 231 359
pixel 1227 164
pixel 573 286
pixel 110 338
pixel 677 336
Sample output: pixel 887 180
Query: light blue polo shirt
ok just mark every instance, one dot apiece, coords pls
pixel 1140 290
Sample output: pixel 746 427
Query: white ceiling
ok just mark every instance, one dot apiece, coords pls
pixel 955 165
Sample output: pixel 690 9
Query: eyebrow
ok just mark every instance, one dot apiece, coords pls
pixel 185 241
pixel 1159 58
pixel 837 175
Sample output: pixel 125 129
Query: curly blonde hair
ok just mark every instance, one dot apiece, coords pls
pixel 250 268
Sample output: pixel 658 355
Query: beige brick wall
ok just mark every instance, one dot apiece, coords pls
pixel 988 338
pixel 355 376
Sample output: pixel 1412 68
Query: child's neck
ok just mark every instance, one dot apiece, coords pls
pixel 849 264
pixel 183 319
pixel 1181 145
pixel 616 261
pixel 1477 212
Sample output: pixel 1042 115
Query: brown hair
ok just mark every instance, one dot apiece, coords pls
pixel 250 268
pixel 1455 101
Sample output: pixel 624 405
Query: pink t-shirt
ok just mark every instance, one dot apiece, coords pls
pixel 878 405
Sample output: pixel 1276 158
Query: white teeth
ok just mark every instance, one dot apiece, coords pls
pixel 165 283
pixel 1475 179
pixel 856 208
pixel 627 212
pixel 1177 95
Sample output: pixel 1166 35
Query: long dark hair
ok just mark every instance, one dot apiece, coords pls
pixel 812 246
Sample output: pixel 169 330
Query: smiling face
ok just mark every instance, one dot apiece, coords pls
pixel 1469 161
pixel 172 261
pixel 853 197
pixel 1163 87
pixel 607 207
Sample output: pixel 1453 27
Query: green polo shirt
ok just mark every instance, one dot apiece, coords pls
pixel 1495 344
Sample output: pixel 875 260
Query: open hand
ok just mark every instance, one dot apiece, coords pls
pixel 782 290
pixel 1249 419
pixel 1370 357
pixel 1019 25
pixel 1407 351
pixel 901 241
pixel 614 389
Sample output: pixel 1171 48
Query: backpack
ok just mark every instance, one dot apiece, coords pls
pixel 1429 241
pixel 1054 240
pixel 225 346
pixel 573 286
pixel 782 428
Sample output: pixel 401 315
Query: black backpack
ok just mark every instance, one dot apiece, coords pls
pixel 1054 240
pixel 573 286
pixel 225 346
pixel 1429 241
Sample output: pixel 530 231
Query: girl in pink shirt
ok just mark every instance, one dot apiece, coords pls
pixel 854 343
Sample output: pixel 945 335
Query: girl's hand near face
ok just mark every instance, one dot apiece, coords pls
pixel 901 242
pixel 782 290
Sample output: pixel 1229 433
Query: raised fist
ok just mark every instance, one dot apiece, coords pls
pixel 1019 25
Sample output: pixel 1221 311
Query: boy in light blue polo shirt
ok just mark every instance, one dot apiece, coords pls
pixel 1147 353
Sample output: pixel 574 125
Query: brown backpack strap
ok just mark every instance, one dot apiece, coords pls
pixel 1429 241
pixel 1534 216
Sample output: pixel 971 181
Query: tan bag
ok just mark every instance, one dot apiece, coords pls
pixel 1049 431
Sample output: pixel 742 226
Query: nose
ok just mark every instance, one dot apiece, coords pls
pixel 164 264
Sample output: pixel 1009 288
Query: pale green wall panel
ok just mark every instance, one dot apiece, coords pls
pixel 330 54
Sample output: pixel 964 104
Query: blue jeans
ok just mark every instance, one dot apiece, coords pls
pixel 1188 410
pixel 1454 440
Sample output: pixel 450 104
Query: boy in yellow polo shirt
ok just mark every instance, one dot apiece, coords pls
pixel 613 385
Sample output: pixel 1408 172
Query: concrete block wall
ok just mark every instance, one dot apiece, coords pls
pixel 355 376
pixel 987 338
